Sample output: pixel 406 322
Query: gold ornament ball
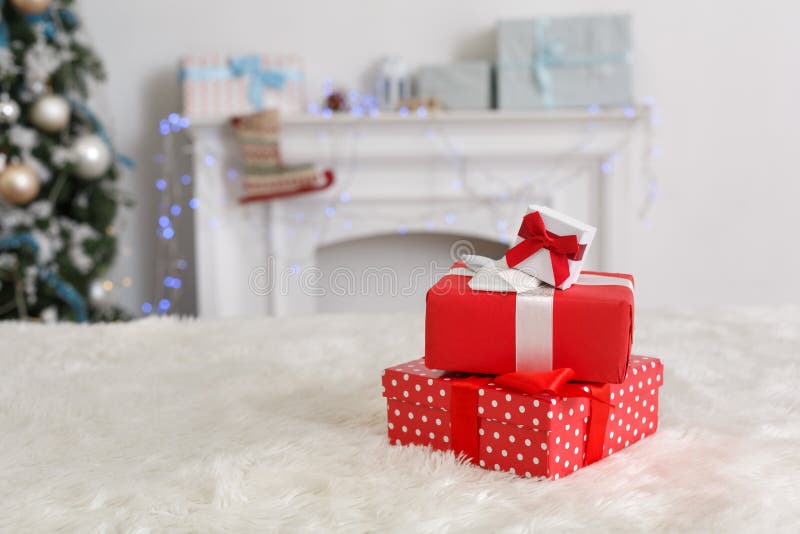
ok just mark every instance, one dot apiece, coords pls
pixel 30 7
pixel 50 113
pixel 18 184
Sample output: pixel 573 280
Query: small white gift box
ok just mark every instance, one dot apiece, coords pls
pixel 551 246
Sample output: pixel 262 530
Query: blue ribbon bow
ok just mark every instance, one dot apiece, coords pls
pixel 251 66
pixel 549 55
pixel 245 66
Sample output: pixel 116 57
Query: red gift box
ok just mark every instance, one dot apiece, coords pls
pixel 530 434
pixel 587 328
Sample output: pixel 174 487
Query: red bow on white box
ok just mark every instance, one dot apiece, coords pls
pixel 536 237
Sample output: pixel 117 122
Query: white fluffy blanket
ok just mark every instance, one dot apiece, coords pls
pixel 278 425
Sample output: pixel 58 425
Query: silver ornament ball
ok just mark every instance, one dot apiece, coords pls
pixel 50 113
pixel 92 156
pixel 9 110
pixel 19 184
pixel 30 7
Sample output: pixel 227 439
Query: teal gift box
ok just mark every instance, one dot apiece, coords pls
pixel 458 86
pixel 553 62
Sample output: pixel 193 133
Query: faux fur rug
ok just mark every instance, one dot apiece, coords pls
pixel 279 425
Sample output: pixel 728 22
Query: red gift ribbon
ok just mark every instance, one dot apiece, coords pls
pixel 536 237
pixel 464 420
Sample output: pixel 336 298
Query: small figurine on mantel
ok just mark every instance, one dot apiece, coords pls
pixel 418 103
pixel 336 102
pixel 392 84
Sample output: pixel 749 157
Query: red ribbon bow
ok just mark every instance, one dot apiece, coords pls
pixel 536 237
pixel 464 406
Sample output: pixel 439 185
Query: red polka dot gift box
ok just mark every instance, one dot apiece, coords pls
pixel 530 424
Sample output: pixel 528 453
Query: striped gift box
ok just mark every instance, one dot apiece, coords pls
pixel 218 86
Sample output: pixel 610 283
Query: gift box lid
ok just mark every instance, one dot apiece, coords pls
pixel 414 383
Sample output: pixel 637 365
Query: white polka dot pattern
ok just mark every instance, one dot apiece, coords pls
pixel 531 436
pixel 635 412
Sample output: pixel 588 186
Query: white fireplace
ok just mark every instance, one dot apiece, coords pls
pixel 468 175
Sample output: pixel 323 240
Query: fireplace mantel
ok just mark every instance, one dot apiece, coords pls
pixel 463 173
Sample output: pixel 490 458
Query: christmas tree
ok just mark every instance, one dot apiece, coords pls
pixel 58 172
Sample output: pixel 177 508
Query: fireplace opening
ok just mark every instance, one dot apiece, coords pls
pixel 390 273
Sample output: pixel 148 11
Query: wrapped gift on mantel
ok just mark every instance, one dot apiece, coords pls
pixel 530 424
pixel 457 86
pixel 219 87
pixel 552 62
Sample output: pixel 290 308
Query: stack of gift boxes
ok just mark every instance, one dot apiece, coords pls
pixel 527 365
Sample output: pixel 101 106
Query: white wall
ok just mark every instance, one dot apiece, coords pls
pixel 724 75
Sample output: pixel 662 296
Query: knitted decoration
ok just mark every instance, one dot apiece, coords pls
pixel 266 176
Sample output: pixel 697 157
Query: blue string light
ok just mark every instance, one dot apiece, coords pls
pixel 172 282
pixel 174 123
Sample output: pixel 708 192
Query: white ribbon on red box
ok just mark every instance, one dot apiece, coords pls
pixel 534 305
